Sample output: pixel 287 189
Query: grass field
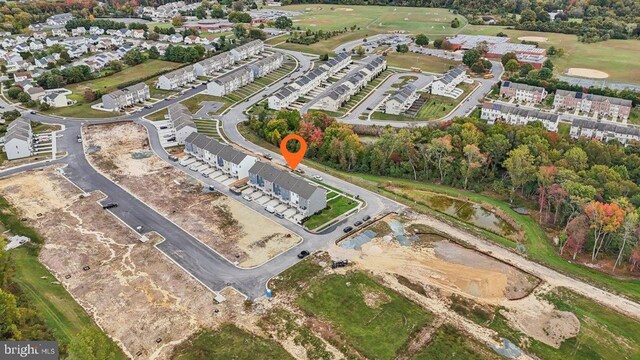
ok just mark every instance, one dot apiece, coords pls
pixel 618 58
pixel 377 328
pixel 424 62
pixel 229 342
pixel 447 343
pixel 335 208
pixel 604 334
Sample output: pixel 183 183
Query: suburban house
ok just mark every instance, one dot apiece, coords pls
pixel 597 104
pixel 22 75
pixel 79 31
pixel 518 115
pixel 306 198
pixel 182 122
pixel 522 92
pixel 283 97
pixel 59 19
pixel 223 157
pixel 128 96
pixel 247 50
pixel 55 100
pixel 446 84
pixel 230 82
pixel 402 100
pixel 18 140
pixel 263 67
pixel 213 64
pixel 137 34
pixel 604 131
pixel 35 93
pixel 176 78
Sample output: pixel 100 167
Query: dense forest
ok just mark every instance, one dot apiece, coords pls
pixel 585 189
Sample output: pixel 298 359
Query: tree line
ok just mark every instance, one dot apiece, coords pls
pixel 571 180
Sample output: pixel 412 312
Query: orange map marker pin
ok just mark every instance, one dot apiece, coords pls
pixel 293 159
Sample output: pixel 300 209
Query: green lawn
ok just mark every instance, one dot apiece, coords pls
pixel 604 334
pixel 277 39
pixel 634 117
pixel 618 58
pixel 335 208
pixel 229 342
pixel 424 62
pixel 378 330
pixel 193 104
pixel 447 343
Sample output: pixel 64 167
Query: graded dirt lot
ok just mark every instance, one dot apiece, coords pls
pixel 240 234
pixel 588 73
pixel 138 296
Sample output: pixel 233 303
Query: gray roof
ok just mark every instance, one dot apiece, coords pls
pixel 285 179
pixel 606 127
pixel 524 112
pixel 238 73
pixel 450 75
pixel 18 129
pixel 592 97
pixel 404 93
pixel 519 86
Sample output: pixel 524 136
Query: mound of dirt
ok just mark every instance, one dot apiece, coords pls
pixel 587 73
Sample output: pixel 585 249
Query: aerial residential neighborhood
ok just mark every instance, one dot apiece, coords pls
pixel 321 180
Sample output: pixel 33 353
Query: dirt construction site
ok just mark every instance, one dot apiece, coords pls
pixel 121 151
pixel 137 295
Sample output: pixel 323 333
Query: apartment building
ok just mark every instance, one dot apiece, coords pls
pixel 294 191
pixel 337 63
pixel 213 64
pixel 182 123
pixel 230 82
pixel 263 67
pixel 518 115
pixel 522 93
pixel 402 100
pixel 595 105
pixel 220 156
pixel 446 84
pixel 247 50
pixel 604 131
pixel 18 140
pixel 176 78
pixel 333 100
pixel 128 96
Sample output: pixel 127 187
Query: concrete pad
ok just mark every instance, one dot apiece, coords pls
pixel 273 203
pixel 256 195
pixel 221 178
pixel 229 181
pixel 263 200
pixel 282 207
pixel 215 174
pixel 289 213
pixel 248 191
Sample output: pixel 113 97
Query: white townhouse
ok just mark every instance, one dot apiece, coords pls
pixel 337 63
pixel 247 50
pixel 402 100
pixel 263 67
pixel 128 96
pixel 18 140
pixel 522 93
pixel 604 131
pixel 176 78
pixel 446 84
pixel 283 98
pixel 213 64
pixel 230 82
pixel 518 115
pixel 182 123
pixel 223 157
pixel 334 98
pixel 306 198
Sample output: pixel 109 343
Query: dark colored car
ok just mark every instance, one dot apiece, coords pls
pixel 303 254
pixel 366 218
pixel 357 223
pixel 347 229
pixel 173 158
pixel 268 157
pixel 109 206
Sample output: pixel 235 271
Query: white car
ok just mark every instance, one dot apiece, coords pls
pixel 247 197
pixel 317 177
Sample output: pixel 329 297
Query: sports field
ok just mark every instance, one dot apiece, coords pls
pixel 375 19
pixel 618 58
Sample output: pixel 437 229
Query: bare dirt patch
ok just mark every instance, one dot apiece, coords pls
pixel 139 297
pixel 587 73
pixel 243 236
pixel 538 39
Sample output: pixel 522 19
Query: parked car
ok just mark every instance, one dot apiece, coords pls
pixel 247 197
pixel 79 139
pixel 173 158
pixel 366 218
pixel 270 209
pixel 299 171
pixel 109 206
pixel 163 127
pixel 357 223
pixel 267 156
pixel 317 177
pixel 173 138
pixel 279 215
pixel 147 106
pixel 303 254
pixel 347 229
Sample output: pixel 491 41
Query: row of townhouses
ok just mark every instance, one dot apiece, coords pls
pixel 446 84
pixel 402 100
pixel 341 93
pixel 247 50
pixel 177 78
pixel 294 191
pixel 214 64
pixel 518 115
pixel 18 140
pixel 604 131
pixel 522 93
pixel 182 123
pixel 593 104
pixel 244 75
pixel 312 80
pixel 223 157
pixel 131 95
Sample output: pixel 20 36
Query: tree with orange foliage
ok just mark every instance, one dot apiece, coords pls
pixel 604 219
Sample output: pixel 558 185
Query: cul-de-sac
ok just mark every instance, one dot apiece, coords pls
pixel 463 183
